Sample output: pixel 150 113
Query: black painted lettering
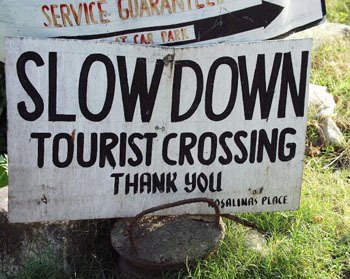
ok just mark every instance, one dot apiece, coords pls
pixel 149 143
pixel 288 81
pixel 165 149
pixel 145 182
pixel 28 86
pixel 259 85
pixel 202 182
pixel 122 149
pixel 158 183
pixel 253 140
pixel 136 149
pixel 170 182
pixel 244 201
pixel 175 107
pixel 139 88
pixel 41 146
pixel 269 145
pixel 222 141
pixel 241 147
pixel 215 187
pixel 83 82
pixel 117 177
pixel 56 146
pixel 190 180
pixel 282 146
pixel 185 148
pixel 210 88
pixel 134 184
pixel 53 115
pixel 81 146
pixel 213 142
pixel 108 141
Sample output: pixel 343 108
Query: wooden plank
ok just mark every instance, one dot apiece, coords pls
pixel 163 22
pixel 98 130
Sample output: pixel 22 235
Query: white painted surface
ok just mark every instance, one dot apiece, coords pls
pixel 109 21
pixel 74 192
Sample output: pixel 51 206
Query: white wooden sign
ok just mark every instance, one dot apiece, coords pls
pixel 100 130
pixel 165 22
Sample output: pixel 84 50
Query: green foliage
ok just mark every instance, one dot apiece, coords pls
pixel 3 170
pixel 338 11
pixel 42 266
pixel 331 68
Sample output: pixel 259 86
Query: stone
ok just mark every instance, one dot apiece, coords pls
pixel 70 244
pixel 128 270
pixel 165 242
pixel 4 199
pixel 324 33
pixel 321 101
pixel 331 132
pixel 322 106
pixel 255 241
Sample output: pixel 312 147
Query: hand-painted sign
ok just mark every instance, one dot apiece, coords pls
pixel 165 22
pixel 99 130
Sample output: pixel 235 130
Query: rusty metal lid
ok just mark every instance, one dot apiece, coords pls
pixel 167 241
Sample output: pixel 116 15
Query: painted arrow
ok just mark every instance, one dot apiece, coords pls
pixel 214 27
pixel 219 24
pixel 237 22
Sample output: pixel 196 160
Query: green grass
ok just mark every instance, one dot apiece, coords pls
pixel 331 68
pixel 338 11
pixel 42 266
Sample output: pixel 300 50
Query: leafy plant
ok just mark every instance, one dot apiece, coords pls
pixel 3 170
pixel 44 266
pixel 338 11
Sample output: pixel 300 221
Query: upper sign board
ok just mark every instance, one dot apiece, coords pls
pixel 165 22
pixel 101 130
